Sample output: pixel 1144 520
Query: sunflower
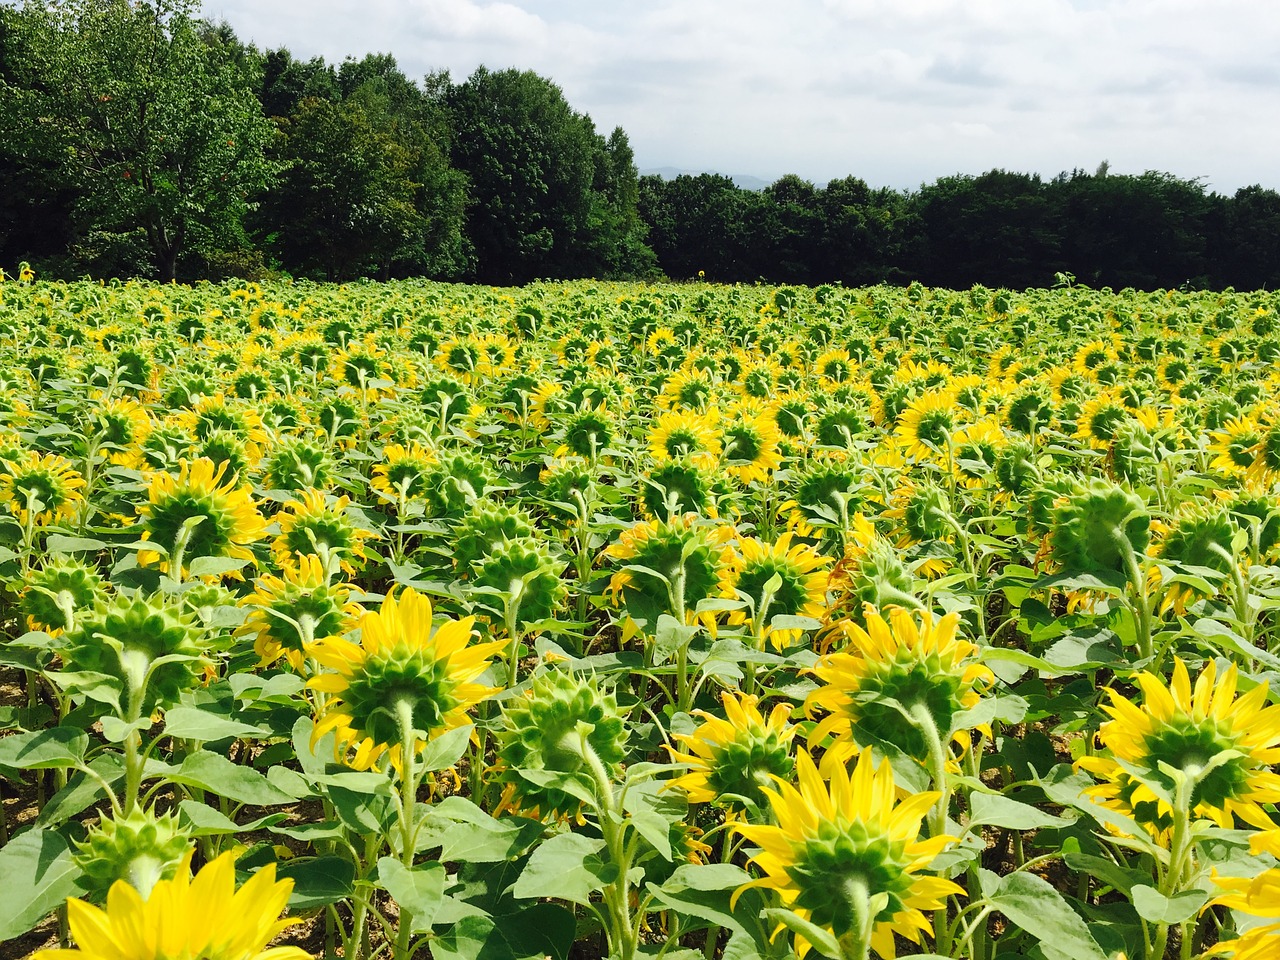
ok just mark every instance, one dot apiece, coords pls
pixel 404 472
pixel 689 389
pixel 683 434
pixel 1235 445
pixel 587 433
pixel 550 731
pixel 360 368
pixel 203 917
pixel 42 487
pixel 1099 420
pixel 802 590
pixel 691 556
pixel 288 613
pixel 55 594
pixel 977 447
pixel 674 489
pixel 927 423
pixel 730 759
pixel 216 519
pixel 1190 730
pixel 1266 457
pixel 121 424
pixel 313 525
pixel 299 464
pixel 405 670
pixel 910 659
pixel 1198 536
pixel 834 367
pixel 750 445
pixel 1257 897
pixel 841 847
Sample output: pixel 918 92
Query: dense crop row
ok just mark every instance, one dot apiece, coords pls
pixel 656 620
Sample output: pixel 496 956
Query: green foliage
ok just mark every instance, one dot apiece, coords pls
pixel 149 115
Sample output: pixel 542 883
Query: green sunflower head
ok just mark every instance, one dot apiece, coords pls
pixel 673 489
pixel 142 849
pixel 56 594
pixel 484 527
pixel 150 652
pixel 550 731
pixel 526 575
pixel 299 465
pixel 1098 528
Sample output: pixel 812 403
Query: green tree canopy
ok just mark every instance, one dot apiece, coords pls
pixel 550 197
pixel 146 112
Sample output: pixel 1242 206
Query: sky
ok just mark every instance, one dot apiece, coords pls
pixel 896 92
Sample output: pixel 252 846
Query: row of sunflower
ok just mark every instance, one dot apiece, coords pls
pixel 638 620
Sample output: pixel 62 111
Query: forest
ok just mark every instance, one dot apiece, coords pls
pixel 142 140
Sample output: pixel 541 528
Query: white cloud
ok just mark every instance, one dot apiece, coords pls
pixel 897 93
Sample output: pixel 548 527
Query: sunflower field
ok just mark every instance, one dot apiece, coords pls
pixel 618 620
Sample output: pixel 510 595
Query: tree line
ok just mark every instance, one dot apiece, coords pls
pixel 142 140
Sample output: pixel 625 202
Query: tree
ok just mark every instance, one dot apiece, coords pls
pixel 545 187
pixel 362 190
pixel 147 112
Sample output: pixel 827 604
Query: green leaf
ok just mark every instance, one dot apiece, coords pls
pixel 1033 904
pixel 445 750
pixel 567 867
pixel 705 891
pixel 205 821
pixel 465 832
pixel 653 811
pixel 196 723
pixel 1154 907
pixel 420 890
pixel 318 881
pixel 540 931
pixel 214 566
pixel 670 636
pixel 993 809
pixel 822 939
pixel 44 749
pixel 38 876
pixel 60 543
pixel 214 772
pixel 81 790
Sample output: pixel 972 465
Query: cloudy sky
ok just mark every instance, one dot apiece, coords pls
pixel 898 92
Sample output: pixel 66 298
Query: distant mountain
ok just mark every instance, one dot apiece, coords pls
pixel 740 179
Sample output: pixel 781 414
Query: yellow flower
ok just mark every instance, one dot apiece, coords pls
pixel 847 841
pixel 679 434
pixel 403 473
pixel 44 482
pixel 186 918
pixel 802 592
pixel 1258 897
pixel 1189 729
pixel 750 445
pixel 227 518
pixel 732 758
pixel 917 663
pixel 1235 445
pixel 403 664
pixel 312 525
pixel 287 614
pixel 927 423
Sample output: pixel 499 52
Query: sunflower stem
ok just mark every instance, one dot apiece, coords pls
pixel 408 806
pixel 856 944
pixel 623 934
pixel 928 727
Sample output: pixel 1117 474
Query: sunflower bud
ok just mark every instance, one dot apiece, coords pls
pixel 141 849
pixel 1097 528
pixel 550 730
